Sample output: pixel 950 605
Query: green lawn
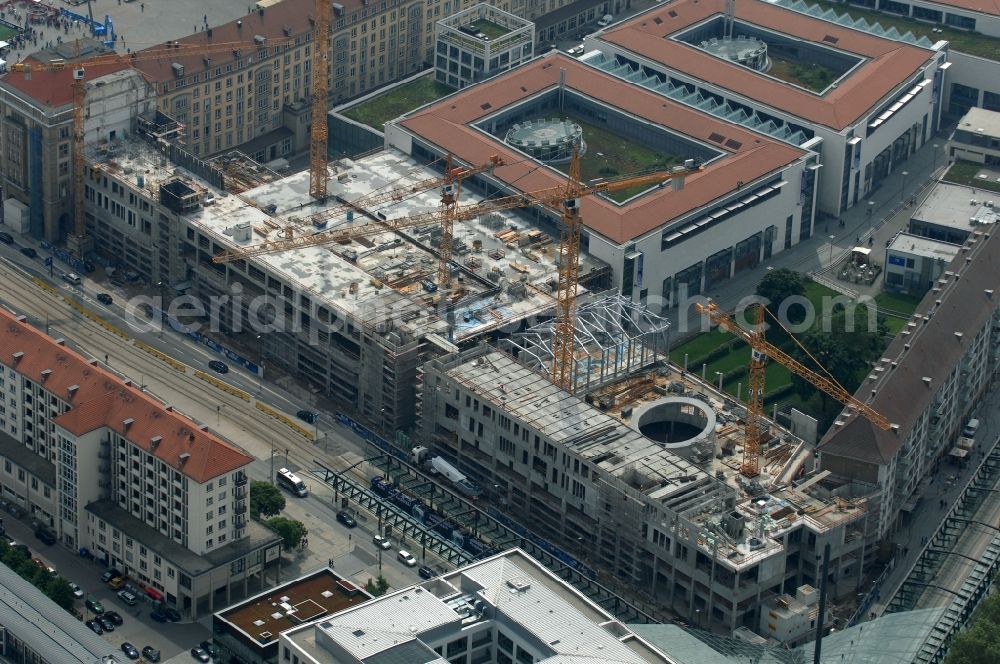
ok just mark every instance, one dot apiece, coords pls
pixel 904 304
pixel 700 345
pixel 811 76
pixel 7 33
pixel 964 172
pixel 489 28
pixel 610 155
pixel 378 110
pixel 972 43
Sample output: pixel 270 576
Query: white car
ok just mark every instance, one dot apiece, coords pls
pixel 605 20
pixel 77 592
pixel 406 558
pixel 382 542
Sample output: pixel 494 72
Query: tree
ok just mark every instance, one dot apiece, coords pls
pixel 979 642
pixel 57 589
pixel 377 587
pixel 779 285
pixel 265 499
pixel 291 531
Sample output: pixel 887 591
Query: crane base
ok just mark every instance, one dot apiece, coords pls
pixel 80 245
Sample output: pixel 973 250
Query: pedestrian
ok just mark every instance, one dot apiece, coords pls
pixel 206 19
pixel 142 6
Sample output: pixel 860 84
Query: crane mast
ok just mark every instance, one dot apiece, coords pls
pixel 563 339
pixel 319 133
pixel 761 350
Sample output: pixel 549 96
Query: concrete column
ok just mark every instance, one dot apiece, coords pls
pixel 732 261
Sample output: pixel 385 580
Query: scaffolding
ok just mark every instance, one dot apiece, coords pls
pixel 614 337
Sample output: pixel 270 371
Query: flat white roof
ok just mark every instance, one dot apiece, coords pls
pixel 956 206
pixel 981 121
pixel 510 590
pixel 925 247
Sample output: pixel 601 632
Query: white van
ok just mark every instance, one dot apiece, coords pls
pixel 291 481
pixel 605 20
pixel 72 278
pixel 970 428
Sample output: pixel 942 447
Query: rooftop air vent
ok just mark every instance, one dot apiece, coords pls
pixel 154 441
pixel 927 380
pixel 127 422
pixel 72 389
pixel 184 457
pixel 17 356
pixel 518 584
pixel 46 373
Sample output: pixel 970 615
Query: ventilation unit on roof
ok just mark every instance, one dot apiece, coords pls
pixel 518 584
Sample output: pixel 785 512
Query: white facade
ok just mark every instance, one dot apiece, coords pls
pixel 914 263
pixel 977 138
pixel 855 158
pixel 144 488
pixel 114 102
pixel 791 620
pixel 673 260
pixel 464 56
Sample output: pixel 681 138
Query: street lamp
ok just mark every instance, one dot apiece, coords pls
pixel 720 375
pixel 162 316
pixel 902 190
pixel 871 209
pixel 272 462
pixel 832 238
pixel 935 146
pixel 218 412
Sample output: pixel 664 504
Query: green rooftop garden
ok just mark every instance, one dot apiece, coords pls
pixel 489 28
pixel 809 75
pixel 966 172
pixel 399 100
pixel 972 43
pixel 609 155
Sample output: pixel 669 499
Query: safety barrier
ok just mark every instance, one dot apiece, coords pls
pixel 87 313
pixel 284 419
pixel 225 387
pixel 160 355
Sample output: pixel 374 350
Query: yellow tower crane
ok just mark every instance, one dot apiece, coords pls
pixel 319 133
pixel 170 51
pixel 761 349
pixel 565 199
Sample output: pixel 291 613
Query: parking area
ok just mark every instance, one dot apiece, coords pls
pixel 171 639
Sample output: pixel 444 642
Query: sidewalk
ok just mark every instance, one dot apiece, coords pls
pixel 878 217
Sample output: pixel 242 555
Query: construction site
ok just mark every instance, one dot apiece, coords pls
pixel 642 478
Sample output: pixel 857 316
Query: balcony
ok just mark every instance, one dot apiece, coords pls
pixel 241 479
pixel 240 507
pixel 240 492
pixel 239 522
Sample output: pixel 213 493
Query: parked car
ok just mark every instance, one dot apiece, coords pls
pixel 104 298
pixel 426 572
pixel 168 613
pixel 114 617
pixel 210 648
pixel 6 238
pixel 117 582
pixel 200 655
pixel 77 591
pixel 95 627
pixel 158 616
pixel 128 597
pixel 406 558
pixel 306 416
pixel 46 536
pixel 130 650
pixel 346 519
pixel 72 278
pixel 218 366
pixel 382 542
pixel 109 574
pixel 29 252
pixel 151 654
pixel 94 606
pixel 108 625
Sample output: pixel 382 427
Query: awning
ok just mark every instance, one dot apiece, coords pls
pixel 864 251
pixel 4 44
pixel 153 593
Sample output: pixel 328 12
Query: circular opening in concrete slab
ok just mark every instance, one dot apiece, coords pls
pixel 676 421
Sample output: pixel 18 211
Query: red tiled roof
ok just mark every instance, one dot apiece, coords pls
pixel 889 63
pixel 101 399
pixel 54 88
pixel 445 125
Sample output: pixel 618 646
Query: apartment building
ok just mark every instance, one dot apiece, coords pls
pixel 36 135
pixel 655 518
pixel 927 383
pixel 505 609
pixel 254 96
pixel 148 490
